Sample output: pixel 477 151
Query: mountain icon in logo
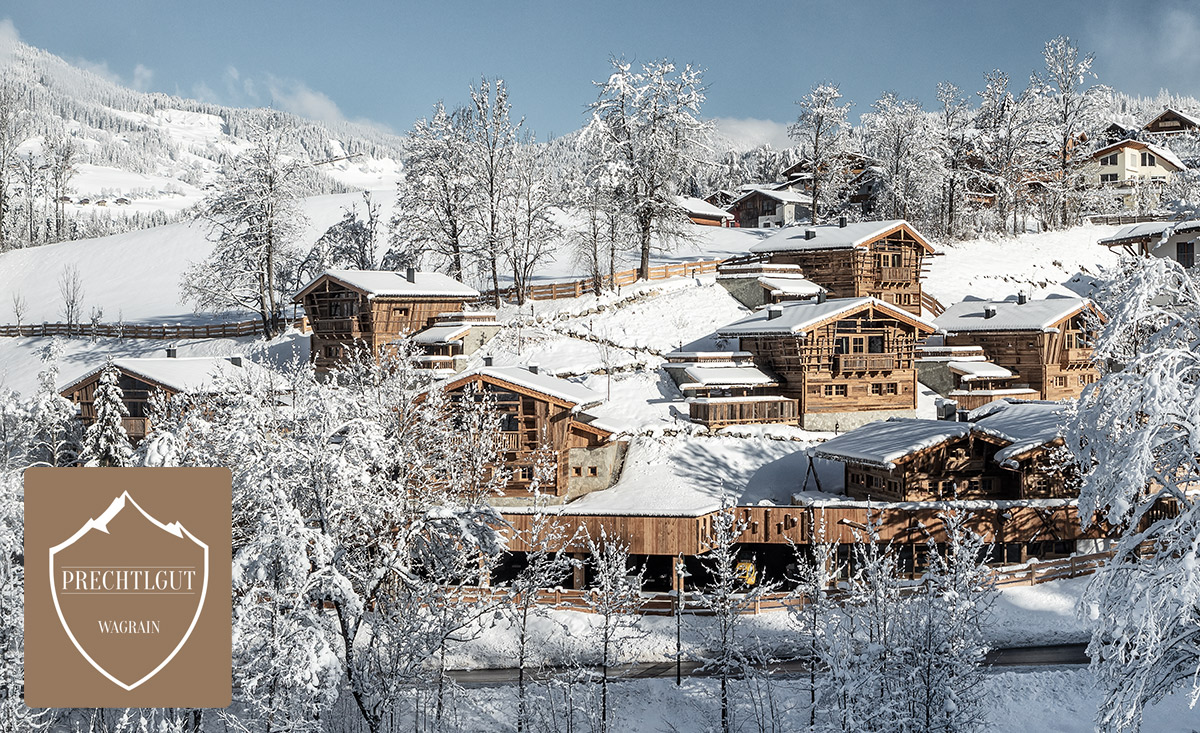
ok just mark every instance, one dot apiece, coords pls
pixel 129 590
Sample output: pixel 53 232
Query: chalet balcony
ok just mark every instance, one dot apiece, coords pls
pixel 136 427
pixel 716 412
pixel 864 362
pixel 895 274
pixel 335 326
pixel 1076 357
pixel 511 441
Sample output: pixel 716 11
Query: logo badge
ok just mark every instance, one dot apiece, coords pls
pixel 131 604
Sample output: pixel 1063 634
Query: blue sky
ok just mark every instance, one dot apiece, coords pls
pixel 388 62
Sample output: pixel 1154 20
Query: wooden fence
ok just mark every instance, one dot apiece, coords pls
pixel 137 331
pixel 1129 219
pixel 663 604
pixel 585 286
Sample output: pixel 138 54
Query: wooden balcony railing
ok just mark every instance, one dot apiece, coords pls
pixel 895 274
pixel 1077 356
pixel 752 411
pixel 512 441
pixel 136 427
pixel 865 362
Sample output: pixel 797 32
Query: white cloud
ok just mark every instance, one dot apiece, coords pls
pixel 296 97
pixel 99 68
pixel 749 132
pixel 142 78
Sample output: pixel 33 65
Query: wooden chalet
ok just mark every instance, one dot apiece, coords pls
pixel 878 259
pixel 374 307
pixel 1044 344
pixel 141 377
pixel 1007 453
pixel 845 360
pixel 540 413
pixel 765 207
pixel 1174 240
pixel 702 212
pixel 847 165
pixel 727 388
pixel 1172 122
pixel 964 375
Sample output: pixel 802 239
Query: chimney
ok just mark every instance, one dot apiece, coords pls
pixel 810 233
pixel 410 274
pixel 774 312
pixel 533 368
pixel 172 352
pixel 1022 298
pixel 236 360
pixel 487 361
pixel 841 222
pixel 989 311
pixel 821 297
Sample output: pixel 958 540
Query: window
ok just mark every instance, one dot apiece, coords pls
pixel 576 470
pixel 400 312
pixel 858 345
pixel 841 345
pixel 875 344
pixel 856 478
pixel 592 471
pixel 1109 159
pixel 1108 177
pixel 835 390
pixel 893 486
pixel 877 388
pixel 1060 381
pixel 1185 253
pixel 1148 159
pixel 890 388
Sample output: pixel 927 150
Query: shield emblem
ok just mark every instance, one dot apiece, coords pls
pixel 129 590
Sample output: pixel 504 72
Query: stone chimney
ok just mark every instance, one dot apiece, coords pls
pixel 487 361
pixel 1022 298
pixel 236 360
pixel 821 296
pixel 172 352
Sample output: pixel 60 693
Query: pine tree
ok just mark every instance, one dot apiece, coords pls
pixel 105 442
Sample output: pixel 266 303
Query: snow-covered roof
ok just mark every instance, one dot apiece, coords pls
pixel 970 370
pixel 797 317
pixel 725 376
pixel 833 236
pixel 540 382
pixel 194 374
pixel 1189 117
pixel 884 442
pixel 1151 230
pixel 701 208
pixel 790 285
pixel 1011 315
pixel 1026 425
pixel 784 195
pixel 441 334
pixel 376 283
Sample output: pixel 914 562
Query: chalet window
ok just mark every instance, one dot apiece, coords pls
pixel 891 388
pixel 875 344
pixel 841 345
pixel 858 345
pixel 973 484
pixel 400 312
pixel 592 471
pixel 893 486
pixel 1148 159
pixel 1060 381
pixel 835 390
pixel 509 422
pixel 856 478
pixel 1082 379
pixel 876 388
pixel 986 483
pixel 1108 177
pixel 948 487
pixel 576 470
pixel 1109 159
pixel 1185 253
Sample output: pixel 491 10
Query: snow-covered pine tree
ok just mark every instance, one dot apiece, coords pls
pixel 647 130
pixel 105 442
pixel 615 596
pixel 820 130
pixel 254 219
pixel 1135 435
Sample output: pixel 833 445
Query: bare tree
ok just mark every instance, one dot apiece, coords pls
pixel 820 132
pixel 616 598
pixel 491 147
pixel 70 288
pixel 18 307
pixel 13 126
pixel 60 153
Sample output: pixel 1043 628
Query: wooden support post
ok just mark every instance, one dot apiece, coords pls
pixel 579 574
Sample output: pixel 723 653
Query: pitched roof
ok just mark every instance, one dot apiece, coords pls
pixel 971 370
pixel 1158 150
pixel 1190 118
pixel 549 385
pixel 832 236
pixel 1151 230
pixel 1033 315
pixel 1026 425
pixel 374 283
pixel 725 376
pixel 798 317
pixel 783 195
pixel 441 334
pixel 884 442
pixel 786 285
pixel 702 208
pixel 195 374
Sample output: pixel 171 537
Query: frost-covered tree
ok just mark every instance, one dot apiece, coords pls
pixel 1011 128
pixel 54 429
pixel 530 232
pixel 953 126
pixel 814 617
pixel 352 243
pixel 105 442
pixel 903 138
pixel 254 219
pixel 61 154
pixel 432 216
pixel 14 121
pixel 820 131
pixel 616 599
pixel 491 147
pixel 646 129
pixel 1135 435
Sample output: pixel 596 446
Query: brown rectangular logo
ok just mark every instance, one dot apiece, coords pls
pixel 128 587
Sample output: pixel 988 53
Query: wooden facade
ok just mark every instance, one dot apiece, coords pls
pixel 1172 122
pixel 136 391
pixel 343 314
pixel 1055 362
pixel 889 267
pixel 858 358
pixel 537 421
